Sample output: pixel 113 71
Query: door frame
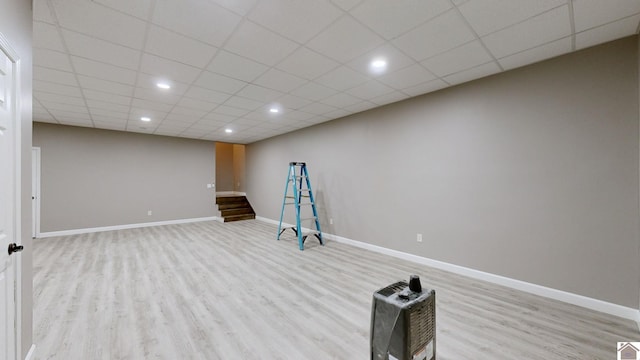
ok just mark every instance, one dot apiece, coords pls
pixel 35 180
pixel 6 47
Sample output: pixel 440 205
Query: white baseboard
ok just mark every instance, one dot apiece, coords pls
pixel 31 352
pixel 575 299
pixel 122 227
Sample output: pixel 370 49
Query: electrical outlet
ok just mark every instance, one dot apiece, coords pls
pixel 149 213
pixel 330 221
pixel 419 238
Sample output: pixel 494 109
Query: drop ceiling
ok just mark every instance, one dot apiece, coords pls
pixel 229 62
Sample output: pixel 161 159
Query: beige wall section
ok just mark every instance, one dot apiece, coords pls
pixel 94 178
pixel 224 167
pixel 15 25
pixel 531 174
pixel 239 168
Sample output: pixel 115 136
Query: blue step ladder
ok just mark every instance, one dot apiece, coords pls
pixel 302 198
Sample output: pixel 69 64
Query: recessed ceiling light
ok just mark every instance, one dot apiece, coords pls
pixel 378 65
pixel 145 118
pixel 274 110
pixel 163 85
pixel 228 131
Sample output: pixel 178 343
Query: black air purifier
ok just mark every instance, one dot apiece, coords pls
pixel 403 322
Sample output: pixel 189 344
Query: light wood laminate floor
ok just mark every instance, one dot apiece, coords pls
pixel 231 291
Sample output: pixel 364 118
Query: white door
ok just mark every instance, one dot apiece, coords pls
pixel 8 198
pixel 35 192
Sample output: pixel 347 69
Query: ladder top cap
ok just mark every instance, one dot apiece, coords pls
pixel 297 163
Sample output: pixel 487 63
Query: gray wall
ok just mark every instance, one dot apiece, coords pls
pixel 94 178
pixel 224 167
pixel 531 174
pixel 15 25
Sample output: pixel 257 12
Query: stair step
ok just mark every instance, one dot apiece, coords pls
pixel 230 199
pixel 237 205
pixel 239 217
pixel 237 211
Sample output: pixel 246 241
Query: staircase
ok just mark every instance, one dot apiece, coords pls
pixel 235 208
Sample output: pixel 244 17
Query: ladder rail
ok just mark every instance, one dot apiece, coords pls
pixel 298 180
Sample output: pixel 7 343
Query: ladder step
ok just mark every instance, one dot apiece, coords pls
pixel 299 189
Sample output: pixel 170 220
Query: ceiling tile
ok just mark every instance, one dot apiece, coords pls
pixel 221 83
pixel 346 4
pixel 100 22
pixel 236 66
pixel 306 63
pixel 487 16
pixel 56 76
pixel 103 71
pixel 220 117
pixel 461 58
pixel 608 32
pixel 393 18
pixel 46 36
pixel 331 41
pixel 592 13
pixel 187 112
pixel 150 82
pixel 228 110
pixel 108 110
pixel 156 116
pixel 103 96
pixel 199 19
pixel 106 86
pixel 157 66
pixel 539 30
pixel 156 95
pixel 436 36
pixel 138 8
pixel 92 48
pixel 259 93
pixel 244 103
pixel 63 103
pixel 313 91
pixel 395 59
pixel 342 78
pixel 257 43
pixel 370 90
pixel 536 54
pixel 151 105
pixel 341 100
pixel 292 102
pixel 427 87
pixel 410 76
pixel 298 115
pixel 240 7
pixel 173 46
pixel 279 80
pixel 298 20
pixel 473 73
pixel 53 88
pixel 197 104
pixel 52 59
pixel 42 12
pixel 198 93
pixel 318 108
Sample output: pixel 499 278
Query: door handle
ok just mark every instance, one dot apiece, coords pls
pixel 15 248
